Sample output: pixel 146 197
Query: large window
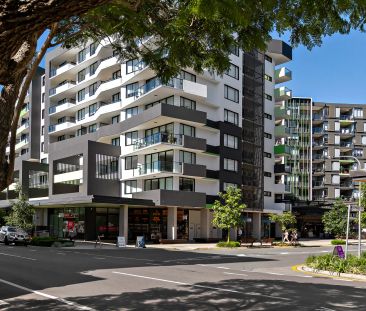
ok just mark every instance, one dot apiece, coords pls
pixel 166 129
pixel 130 186
pixel 130 138
pixel 233 71
pixel 158 183
pixel 92 128
pixel 187 130
pixel 231 141
pixel 93 68
pixel 230 165
pixel 81 95
pixel 234 50
pixel 115 119
pixel 131 163
pixel 92 48
pixel 106 167
pixel 116 141
pixel 116 74
pixel 116 98
pixel 231 117
pixel 81 131
pixel 93 109
pixel 131 89
pixel 81 55
pixel 133 65
pixel 168 100
pixel 81 75
pixel 81 114
pixel 131 112
pixel 93 88
pixel 187 157
pixel 187 76
pixel 187 103
pixel 186 184
pixel 231 94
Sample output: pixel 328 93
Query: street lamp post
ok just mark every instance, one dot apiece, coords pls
pixel 359 210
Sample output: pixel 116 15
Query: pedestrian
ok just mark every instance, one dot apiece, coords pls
pixel 285 237
pixel 240 232
pixel 294 237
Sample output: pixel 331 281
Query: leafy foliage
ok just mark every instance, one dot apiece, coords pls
pixel 228 209
pixel 338 242
pixel 363 204
pixel 286 219
pixel 230 244
pixel 335 220
pixel 21 213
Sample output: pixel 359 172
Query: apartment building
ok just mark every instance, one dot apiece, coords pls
pixel 130 155
pixel 27 169
pixel 323 141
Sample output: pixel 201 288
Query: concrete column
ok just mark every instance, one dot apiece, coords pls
pixel 257 222
pixel 123 222
pixel 45 217
pixel 172 223
pixel 205 223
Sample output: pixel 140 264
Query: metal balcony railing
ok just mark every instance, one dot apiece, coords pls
pixel 158 167
pixel 158 138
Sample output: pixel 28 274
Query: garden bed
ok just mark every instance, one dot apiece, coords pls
pixel 51 241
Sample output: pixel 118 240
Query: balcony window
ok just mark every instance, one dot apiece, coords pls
pixel 131 112
pixel 93 109
pixel 92 48
pixel 116 97
pixel 168 100
pixel 60 138
pixel 93 88
pixel 81 55
pixel 158 183
pixel 116 141
pixel 82 131
pixel 230 165
pixel 115 119
pixel 234 50
pixel 81 114
pixel 233 71
pixel 187 157
pixel 229 184
pixel 231 94
pixel 130 186
pixel 231 117
pixel 93 68
pixel 130 138
pixel 187 130
pixel 131 89
pixel 81 75
pixel 116 75
pixel 186 184
pixel 163 160
pixel 131 163
pixel 81 95
pixel 133 65
pixel 166 129
pixel 187 103
pixel 186 76
pixel 231 141
pixel 92 128
pixel 106 167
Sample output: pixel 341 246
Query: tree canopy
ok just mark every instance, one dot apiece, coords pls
pixel 335 220
pixel 195 33
pixel 286 219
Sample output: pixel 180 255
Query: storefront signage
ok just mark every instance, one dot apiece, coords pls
pixel 338 251
pixel 140 242
pixel 121 241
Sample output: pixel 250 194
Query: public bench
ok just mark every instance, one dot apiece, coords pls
pixel 247 241
pixel 267 241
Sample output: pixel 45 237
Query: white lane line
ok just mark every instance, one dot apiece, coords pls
pixel 200 286
pixel 225 268
pixel 99 258
pixel 64 301
pixel 231 273
pixel 274 273
pixel 284 253
pixel 11 255
pixel 304 276
pixel 325 251
pixel 241 255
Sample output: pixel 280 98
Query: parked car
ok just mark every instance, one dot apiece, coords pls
pixel 9 234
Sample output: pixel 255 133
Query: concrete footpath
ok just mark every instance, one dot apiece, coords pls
pixel 198 246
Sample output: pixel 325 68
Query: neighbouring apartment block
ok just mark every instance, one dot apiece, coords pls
pixel 118 152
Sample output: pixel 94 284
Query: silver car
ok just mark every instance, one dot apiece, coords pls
pixel 9 234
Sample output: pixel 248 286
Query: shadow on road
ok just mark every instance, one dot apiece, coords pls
pixel 250 295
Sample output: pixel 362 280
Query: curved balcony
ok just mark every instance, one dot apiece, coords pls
pixel 57 109
pixel 23 127
pixel 283 75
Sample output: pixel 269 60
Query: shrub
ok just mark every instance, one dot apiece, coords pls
pixel 230 244
pixel 50 241
pixel 338 242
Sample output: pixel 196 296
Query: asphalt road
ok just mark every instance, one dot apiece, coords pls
pixel 34 278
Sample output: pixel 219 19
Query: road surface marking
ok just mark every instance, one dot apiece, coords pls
pixel 200 286
pixel 241 255
pixel 325 251
pixel 11 255
pixel 274 273
pixel 226 268
pixel 242 274
pixel 284 253
pixel 64 301
pixel 99 258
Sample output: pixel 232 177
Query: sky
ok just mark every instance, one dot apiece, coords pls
pixel 333 72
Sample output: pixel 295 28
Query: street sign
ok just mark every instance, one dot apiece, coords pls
pixel 140 242
pixel 338 251
pixel 121 241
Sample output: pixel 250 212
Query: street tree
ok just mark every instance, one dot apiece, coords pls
pixel 335 220
pixel 286 220
pixel 187 33
pixel 363 204
pixel 21 213
pixel 227 211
